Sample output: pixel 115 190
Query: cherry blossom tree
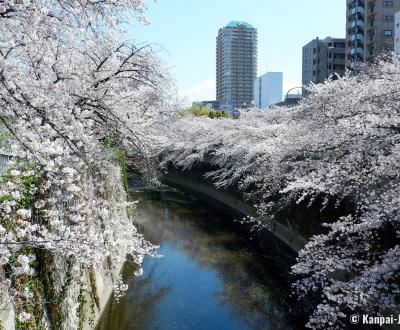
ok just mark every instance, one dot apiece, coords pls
pixel 73 92
pixel 339 144
pixel 75 97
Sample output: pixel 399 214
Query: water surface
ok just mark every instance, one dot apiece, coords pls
pixel 207 279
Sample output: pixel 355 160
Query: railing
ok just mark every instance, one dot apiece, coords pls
pixel 358 37
pixel 357 50
pixel 357 23
pixel 6 160
pixel 360 10
pixel 357 3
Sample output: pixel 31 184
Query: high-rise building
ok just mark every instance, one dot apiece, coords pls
pixel 236 65
pixel 369 29
pixel 322 58
pixel 268 89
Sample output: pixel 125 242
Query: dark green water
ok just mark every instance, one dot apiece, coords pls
pixel 208 278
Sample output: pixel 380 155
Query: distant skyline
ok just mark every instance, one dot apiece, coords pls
pixel 186 30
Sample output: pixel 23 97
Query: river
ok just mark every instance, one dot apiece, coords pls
pixel 208 278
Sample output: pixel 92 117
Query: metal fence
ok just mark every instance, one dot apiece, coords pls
pixel 5 161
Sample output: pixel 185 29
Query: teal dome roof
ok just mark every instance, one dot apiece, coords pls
pixel 240 24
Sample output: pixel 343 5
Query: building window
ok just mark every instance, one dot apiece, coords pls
pixel 387 33
pixel 387 17
pixel 388 3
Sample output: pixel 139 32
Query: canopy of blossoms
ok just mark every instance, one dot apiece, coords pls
pixel 340 144
pixel 76 102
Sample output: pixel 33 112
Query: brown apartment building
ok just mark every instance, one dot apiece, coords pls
pixel 369 29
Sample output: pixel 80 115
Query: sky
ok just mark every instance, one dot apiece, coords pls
pixel 184 34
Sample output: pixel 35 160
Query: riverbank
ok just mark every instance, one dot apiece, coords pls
pixel 215 274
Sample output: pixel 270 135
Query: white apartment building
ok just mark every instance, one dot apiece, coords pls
pixel 268 89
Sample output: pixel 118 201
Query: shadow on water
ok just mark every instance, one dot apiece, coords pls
pixel 209 277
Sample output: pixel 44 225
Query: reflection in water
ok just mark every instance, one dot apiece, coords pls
pixel 136 309
pixel 207 279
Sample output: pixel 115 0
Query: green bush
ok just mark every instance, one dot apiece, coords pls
pixel 204 110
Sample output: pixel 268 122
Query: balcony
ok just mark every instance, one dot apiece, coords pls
pixel 356 44
pixel 357 37
pixel 356 30
pixel 357 23
pixel 357 50
pixel 358 10
pixel 357 3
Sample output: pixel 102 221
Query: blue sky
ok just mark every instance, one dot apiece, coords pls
pixel 186 31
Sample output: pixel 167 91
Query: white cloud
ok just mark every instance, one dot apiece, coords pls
pixel 203 91
pixel 287 85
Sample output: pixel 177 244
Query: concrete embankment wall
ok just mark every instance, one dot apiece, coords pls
pixel 70 295
pixel 195 183
pixel 294 225
pixel 104 291
pixel 93 307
